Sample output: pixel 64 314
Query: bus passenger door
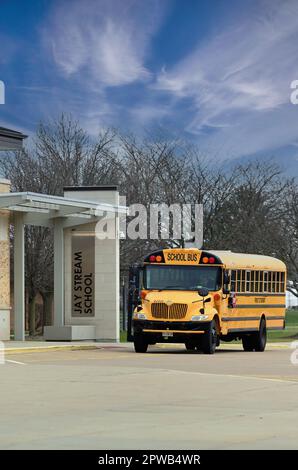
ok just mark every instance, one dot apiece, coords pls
pixel 228 300
pixel 133 295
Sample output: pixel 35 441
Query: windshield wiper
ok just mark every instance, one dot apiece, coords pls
pixel 172 287
pixel 177 287
pixel 180 287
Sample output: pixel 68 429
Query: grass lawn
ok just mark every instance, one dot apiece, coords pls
pixel 123 336
pixel 289 334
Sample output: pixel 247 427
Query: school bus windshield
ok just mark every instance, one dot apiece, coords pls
pixel 182 277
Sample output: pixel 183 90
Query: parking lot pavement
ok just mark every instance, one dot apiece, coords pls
pixel 168 398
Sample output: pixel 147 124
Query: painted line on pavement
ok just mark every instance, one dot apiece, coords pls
pixel 235 376
pixel 36 349
pixel 16 362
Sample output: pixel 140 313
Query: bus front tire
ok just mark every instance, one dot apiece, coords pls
pixel 210 339
pixel 256 341
pixel 140 344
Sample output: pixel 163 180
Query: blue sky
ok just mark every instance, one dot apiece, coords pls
pixel 216 73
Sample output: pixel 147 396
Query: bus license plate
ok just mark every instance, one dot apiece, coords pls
pixel 167 334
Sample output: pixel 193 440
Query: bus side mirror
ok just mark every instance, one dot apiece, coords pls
pixel 203 291
pixel 135 295
pixel 134 283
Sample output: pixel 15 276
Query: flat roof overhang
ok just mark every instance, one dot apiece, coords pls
pixel 57 212
pixel 43 209
pixel 10 139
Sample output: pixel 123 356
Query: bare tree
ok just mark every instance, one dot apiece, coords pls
pixel 250 219
pixel 290 232
pixel 61 154
pixel 250 208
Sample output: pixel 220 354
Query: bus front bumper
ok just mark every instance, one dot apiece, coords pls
pixel 176 331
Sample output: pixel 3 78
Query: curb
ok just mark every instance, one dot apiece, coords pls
pixel 78 347
pixel 233 346
pixel 33 349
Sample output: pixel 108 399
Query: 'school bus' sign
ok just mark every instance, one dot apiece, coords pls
pixel 83 253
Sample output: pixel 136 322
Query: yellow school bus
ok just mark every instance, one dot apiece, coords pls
pixel 200 298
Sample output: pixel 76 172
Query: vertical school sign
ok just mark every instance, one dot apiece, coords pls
pixel 83 272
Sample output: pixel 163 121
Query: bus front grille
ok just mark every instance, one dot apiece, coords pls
pixel 171 312
pixel 177 311
pixel 159 310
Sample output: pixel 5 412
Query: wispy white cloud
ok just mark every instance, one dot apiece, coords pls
pixel 230 93
pixel 240 79
pixel 104 41
pixel 143 115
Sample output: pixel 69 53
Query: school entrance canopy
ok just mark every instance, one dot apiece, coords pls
pixel 10 139
pixel 73 218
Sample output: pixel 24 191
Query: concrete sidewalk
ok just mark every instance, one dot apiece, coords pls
pixel 30 346
pixel 13 347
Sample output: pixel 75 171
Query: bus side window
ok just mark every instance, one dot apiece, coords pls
pixel 269 281
pixel 238 281
pixel 257 279
pixel 252 280
pixel 248 288
pixel 261 282
pixel 243 280
pixel 233 280
pixel 265 281
pixel 273 288
pixel 282 282
pixel 277 282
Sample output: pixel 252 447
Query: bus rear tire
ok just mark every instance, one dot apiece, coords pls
pixel 210 339
pixel 140 344
pixel 261 337
pixel 256 341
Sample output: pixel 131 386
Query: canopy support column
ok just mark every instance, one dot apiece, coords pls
pixel 58 272
pixel 19 277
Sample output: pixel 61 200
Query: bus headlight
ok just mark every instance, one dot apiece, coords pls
pixel 199 317
pixel 140 316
